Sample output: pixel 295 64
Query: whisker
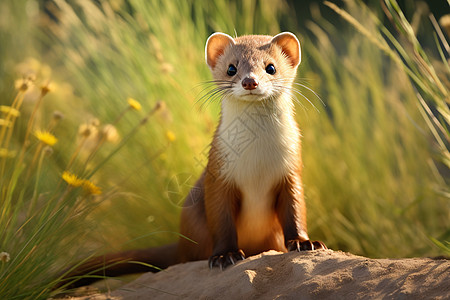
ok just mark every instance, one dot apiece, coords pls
pixel 291 90
pixel 302 105
pixel 293 96
pixel 214 94
pixel 289 81
pixel 297 91
pixel 213 90
pixel 210 83
pixel 312 91
pixel 213 86
pixel 213 83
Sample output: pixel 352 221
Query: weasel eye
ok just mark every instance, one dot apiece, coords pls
pixel 270 69
pixel 231 70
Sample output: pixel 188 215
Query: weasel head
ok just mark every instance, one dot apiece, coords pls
pixel 254 67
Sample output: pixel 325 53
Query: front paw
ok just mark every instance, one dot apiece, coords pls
pixel 297 245
pixel 224 260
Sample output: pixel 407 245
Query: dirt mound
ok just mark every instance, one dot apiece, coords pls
pixel 323 274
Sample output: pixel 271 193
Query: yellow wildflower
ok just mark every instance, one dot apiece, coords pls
pixel 134 104
pixel 9 110
pixel 72 179
pixel 5 123
pixel 91 188
pixel 46 137
pixel 5 153
pixel 170 136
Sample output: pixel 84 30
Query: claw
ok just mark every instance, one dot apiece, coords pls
pixel 241 255
pixel 225 260
pixel 297 245
pixel 319 245
pixel 306 245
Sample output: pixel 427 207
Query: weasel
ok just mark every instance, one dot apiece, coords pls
pixel 249 198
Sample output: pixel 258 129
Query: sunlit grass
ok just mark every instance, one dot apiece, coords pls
pixel 428 87
pixel 31 214
pixel 44 203
pixel 100 126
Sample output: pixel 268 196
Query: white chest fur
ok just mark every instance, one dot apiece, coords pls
pixel 259 145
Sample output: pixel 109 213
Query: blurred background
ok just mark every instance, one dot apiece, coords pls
pixel 375 137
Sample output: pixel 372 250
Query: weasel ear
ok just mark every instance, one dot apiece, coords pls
pixel 215 46
pixel 290 46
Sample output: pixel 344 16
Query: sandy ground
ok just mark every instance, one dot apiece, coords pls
pixel 323 274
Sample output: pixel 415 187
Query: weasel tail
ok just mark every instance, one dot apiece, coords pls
pixel 249 198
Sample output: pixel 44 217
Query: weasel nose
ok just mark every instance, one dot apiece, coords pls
pixel 249 83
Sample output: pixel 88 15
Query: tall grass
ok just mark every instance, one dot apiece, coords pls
pixel 45 205
pixel 428 87
pixel 372 174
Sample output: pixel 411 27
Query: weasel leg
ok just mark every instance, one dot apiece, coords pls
pixel 292 213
